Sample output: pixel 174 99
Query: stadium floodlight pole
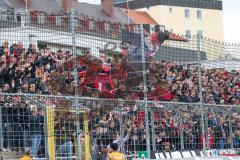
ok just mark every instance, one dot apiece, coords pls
pixel 145 91
pixel 73 27
pixel 201 94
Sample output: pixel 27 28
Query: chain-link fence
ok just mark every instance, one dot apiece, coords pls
pixel 48 126
pixel 71 85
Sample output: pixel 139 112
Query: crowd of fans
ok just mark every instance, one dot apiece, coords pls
pixel 33 71
pixel 46 72
pixel 127 127
pixel 219 86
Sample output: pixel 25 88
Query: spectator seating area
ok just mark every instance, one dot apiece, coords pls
pixel 50 73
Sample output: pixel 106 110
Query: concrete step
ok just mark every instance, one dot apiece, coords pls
pixel 11 155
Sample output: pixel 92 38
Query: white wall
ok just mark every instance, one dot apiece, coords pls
pixel 29 35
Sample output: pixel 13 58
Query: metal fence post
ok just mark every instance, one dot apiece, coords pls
pixel 201 94
pixel 1 133
pixel 153 131
pixel 121 130
pixel 181 132
pixel 145 93
pixel 230 131
pixel 46 133
pixel 73 28
pixel 207 133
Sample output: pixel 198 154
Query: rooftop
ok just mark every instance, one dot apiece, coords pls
pixel 140 17
pixel 135 4
pixel 97 12
pixel 3 4
pixel 54 7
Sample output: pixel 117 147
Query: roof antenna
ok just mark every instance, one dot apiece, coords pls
pixel 128 11
pixel 26 6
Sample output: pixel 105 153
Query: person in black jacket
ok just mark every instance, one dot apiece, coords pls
pixel 220 135
pixel 2 52
pixel 5 123
pixel 184 97
pixel 13 116
pixel 194 97
pixel 25 113
pixel 65 138
pixel 36 129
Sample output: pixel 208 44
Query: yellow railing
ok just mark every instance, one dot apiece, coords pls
pixel 85 142
pixel 51 134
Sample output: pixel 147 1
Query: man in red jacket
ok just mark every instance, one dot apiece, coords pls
pixel 157 39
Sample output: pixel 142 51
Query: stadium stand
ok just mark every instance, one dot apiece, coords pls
pixel 39 99
pixel 36 72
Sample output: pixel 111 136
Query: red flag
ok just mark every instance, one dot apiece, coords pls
pixel 161 93
pixel 104 84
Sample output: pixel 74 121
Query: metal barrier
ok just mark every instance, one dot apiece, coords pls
pixel 45 125
pixel 48 125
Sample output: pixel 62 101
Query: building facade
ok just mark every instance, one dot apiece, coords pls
pixel 187 17
pixel 47 24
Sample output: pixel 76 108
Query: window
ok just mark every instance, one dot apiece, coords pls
pixel 3 17
pixel 200 33
pixel 199 14
pixel 188 33
pixel 107 26
pixel 170 9
pixel 136 29
pixel 171 30
pixel 162 28
pixel 18 18
pixel 9 15
pixel 92 25
pixel 152 29
pixel 58 20
pixel 187 13
pixel 41 18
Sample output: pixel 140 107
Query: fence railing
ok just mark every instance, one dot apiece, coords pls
pixel 48 125
pixel 71 85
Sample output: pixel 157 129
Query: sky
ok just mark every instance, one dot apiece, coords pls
pixel 231 19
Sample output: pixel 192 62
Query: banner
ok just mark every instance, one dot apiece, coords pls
pixel 142 154
pixel 197 154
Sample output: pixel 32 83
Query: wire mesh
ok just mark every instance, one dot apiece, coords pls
pixel 71 85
